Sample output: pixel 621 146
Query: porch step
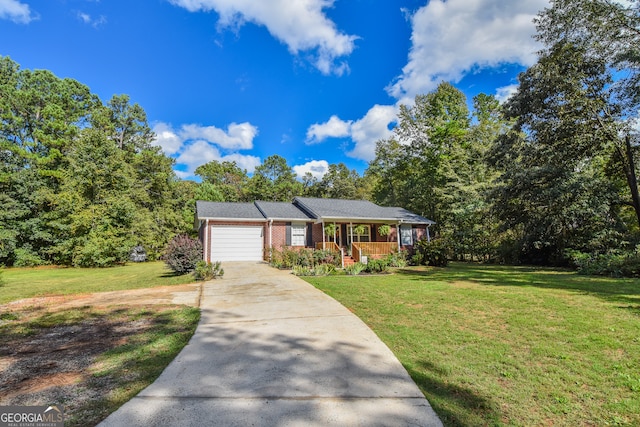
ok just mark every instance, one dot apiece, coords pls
pixel 347 260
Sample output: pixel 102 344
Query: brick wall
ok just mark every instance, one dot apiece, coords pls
pixel 279 235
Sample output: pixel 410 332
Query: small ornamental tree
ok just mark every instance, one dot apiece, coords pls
pixel 183 253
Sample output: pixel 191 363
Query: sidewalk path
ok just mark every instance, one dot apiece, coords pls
pixel 271 350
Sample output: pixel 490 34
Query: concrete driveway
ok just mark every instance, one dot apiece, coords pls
pixel 271 350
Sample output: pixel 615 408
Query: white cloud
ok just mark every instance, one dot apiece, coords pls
pixel 199 152
pixel 236 137
pixel 333 128
pixel 194 145
pixel 454 37
pixel 365 132
pixel 87 19
pixel 317 168
pixel 15 11
pixel 300 24
pixel 505 92
pixel 167 139
pixel 370 129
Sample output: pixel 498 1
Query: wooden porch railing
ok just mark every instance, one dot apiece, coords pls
pixel 372 249
pixel 356 252
pixel 329 246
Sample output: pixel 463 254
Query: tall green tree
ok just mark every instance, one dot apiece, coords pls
pixel 435 164
pixel 569 163
pixel 337 183
pixel 554 188
pixel 99 215
pixel 608 33
pixel 40 117
pixel 274 180
pixel 227 178
pixel 80 182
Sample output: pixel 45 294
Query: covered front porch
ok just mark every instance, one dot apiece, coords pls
pixel 360 242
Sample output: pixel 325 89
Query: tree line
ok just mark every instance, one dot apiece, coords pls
pixel 548 174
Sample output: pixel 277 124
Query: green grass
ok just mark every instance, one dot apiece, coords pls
pixel 495 345
pixel 32 282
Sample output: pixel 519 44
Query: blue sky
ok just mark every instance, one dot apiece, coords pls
pixel 314 81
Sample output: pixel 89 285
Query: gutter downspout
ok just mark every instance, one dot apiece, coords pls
pixel 270 238
pixel 207 244
pixel 428 234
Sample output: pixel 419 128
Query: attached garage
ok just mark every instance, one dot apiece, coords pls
pixel 236 243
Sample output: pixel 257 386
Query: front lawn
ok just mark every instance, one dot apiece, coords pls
pixel 31 282
pixel 496 345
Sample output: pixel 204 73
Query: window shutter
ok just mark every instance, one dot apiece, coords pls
pixel 309 234
pixel 288 238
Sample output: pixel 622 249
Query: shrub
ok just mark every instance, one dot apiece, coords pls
pixel 101 250
pixel 303 257
pixel 416 259
pixel 25 257
pixel 208 271
pixel 321 256
pixel 434 252
pixel 182 254
pixel 302 270
pixel 397 259
pixel 377 266
pixel 614 263
pixel 318 270
pixel 354 269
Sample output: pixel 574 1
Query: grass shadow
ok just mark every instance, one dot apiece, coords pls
pixel 626 291
pixel 455 405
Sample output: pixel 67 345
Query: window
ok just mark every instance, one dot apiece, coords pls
pixel 364 237
pixel 298 234
pixel 406 235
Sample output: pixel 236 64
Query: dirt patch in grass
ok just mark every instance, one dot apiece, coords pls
pixel 56 350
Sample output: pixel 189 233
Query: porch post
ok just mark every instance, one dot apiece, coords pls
pixel 398 236
pixel 335 233
pixel 323 238
pixel 351 232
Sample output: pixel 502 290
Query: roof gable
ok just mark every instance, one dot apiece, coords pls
pixel 281 210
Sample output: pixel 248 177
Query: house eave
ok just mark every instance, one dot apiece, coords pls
pixel 222 219
pixel 370 220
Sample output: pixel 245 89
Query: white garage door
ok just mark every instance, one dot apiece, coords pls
pixel 236 243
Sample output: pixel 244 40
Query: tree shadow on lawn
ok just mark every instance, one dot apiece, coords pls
pixel 455 405
pixel 625 291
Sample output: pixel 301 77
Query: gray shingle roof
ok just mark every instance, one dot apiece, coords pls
pixel 357 210
pixel 281 210
pixel 404 215
pixel 307 208
pixel 228 210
